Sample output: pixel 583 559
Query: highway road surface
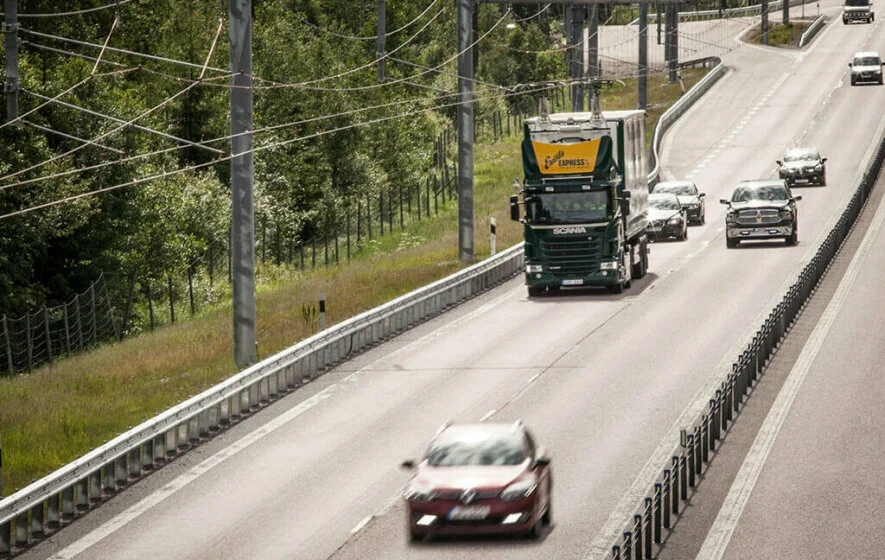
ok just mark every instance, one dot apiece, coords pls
pixel 604 381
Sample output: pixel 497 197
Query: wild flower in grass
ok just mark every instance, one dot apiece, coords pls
pixel 407 241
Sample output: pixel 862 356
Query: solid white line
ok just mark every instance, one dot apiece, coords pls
pixel 191 475
pixel 488 415
pixel 361 524
pixel 183 480
pixel 730 513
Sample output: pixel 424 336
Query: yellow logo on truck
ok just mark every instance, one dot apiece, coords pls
pixel 566 158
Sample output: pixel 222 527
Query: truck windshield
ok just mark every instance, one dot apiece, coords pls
pixel 565 208
pixel 857 3
pixel 866 61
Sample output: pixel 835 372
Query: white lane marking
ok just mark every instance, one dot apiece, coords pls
pixel 183 480
pixel 730 513
pixel 488 415
pixel 361 524
pixel 191 475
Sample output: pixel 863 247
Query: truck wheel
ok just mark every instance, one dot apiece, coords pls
pixel 793 239
pixel 534 291
pixel 731 243
pixel 641 267
pixel 615 288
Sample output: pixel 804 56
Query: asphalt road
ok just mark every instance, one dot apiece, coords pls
pixel 604 381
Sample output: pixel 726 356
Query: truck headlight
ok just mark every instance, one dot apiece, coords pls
pixel 608 265
pixel 786 215
pixel 530 268
pixel 674 221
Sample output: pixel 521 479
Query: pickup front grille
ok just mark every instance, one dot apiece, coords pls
pixel 763 216
pixel 570 256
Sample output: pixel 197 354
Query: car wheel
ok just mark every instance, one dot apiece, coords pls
pixel 547 518
pixel 535 291
pixel 731 243
pixel 853 81
pixel 823 178
pixel 415 537
pixel 703 217
pixel 684 235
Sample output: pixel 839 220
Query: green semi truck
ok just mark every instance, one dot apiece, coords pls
pixel 584 199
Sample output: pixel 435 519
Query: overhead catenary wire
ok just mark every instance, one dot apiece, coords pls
pixel 373 37
pixel 70 136
pixel 195 167
pixel 115 5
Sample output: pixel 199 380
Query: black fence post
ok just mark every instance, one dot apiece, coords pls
pixel 390 209
pixel 313 253
pixel 67 329
pixel 427 199
pixel 301 254
pixel 348 234
pixel 150 306
pixel 418 199
pixel 400 196
pixel 190 287
pixel 381 212
pixel 30 340
pixel 171 298
pixel 369 216
pixel 48 336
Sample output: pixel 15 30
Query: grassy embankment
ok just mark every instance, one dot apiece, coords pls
pixel 59 412
pixel 780 35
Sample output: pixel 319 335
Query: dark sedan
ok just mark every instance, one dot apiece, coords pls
pixel 666 217
pixel 689 198
pixel 803 165
pixel 480 478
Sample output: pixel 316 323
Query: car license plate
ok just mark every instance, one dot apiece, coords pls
pixel 801 180
pixel 469 513
pixel 573 282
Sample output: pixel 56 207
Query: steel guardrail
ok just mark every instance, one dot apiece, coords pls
pixel 33 512
pixel 730 12
pixel 679 108
pixel 38 510
pixel 811 31
pixel 644 532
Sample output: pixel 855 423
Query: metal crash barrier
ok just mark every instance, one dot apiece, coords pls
pixel 644 531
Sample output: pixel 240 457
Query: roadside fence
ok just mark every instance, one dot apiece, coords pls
pixel 647 528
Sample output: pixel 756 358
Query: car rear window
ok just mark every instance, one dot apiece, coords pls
pixel 476 450
pixel 799 155
pixel 663 202
pixel 683 190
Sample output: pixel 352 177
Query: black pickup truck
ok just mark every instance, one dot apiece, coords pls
pixel 762 209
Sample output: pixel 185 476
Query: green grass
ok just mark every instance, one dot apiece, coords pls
pixel 780 35
pixel 61 411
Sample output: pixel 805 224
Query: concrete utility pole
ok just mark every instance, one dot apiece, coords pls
pixel 465 131
pixel 787 11
pixel 671 40
pixel 574 36
pixel 765 22
pixel 242 242
pixel 10 29
pixel 382 23
pixel 643 55
pixel 592 41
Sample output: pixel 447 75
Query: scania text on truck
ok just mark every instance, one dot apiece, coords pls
pixel 584 199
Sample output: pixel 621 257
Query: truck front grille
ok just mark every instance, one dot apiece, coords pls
pixel 570 256
pixel 763 216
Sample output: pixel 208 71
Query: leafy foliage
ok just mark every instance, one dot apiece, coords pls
pixel 327 133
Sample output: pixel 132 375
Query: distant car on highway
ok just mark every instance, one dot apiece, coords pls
pixel 857 10
pixel 689 198
pixel 866 67
pixel 666 217
pixel 803 165
pixel 763 209
pixel 480 478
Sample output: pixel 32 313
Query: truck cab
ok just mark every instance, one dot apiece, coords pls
pixel 584 200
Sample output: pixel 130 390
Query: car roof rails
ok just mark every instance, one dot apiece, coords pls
pixel 443 427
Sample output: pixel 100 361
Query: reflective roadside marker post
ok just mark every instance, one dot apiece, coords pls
pixel 322 311
pixel 492 236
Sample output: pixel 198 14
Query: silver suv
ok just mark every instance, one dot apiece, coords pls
pixel 866 67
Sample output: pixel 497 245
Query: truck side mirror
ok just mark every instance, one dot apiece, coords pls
pixel 723 201
pixel 797 198
pixel 702 195
pixel 849 65
pixel 823 160
pixel 779 162
pixel 514 208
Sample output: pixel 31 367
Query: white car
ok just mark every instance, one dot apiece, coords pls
pixel 866 67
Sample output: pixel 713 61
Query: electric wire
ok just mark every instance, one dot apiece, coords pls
pixel 75 13
pixel 195 167
pixel 374 37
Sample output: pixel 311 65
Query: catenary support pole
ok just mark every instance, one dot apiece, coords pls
pixel 643 55
pixel 786 5
pixel 382 22
pixel 764 25
pixel 10 30
pixel 465 131
pixel 243 219
pixel 576 45
pixel 593 68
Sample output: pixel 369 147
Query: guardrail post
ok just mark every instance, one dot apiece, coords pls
pixel 82 496
pixel 705 438
pixel 678 485
pixel 637 536
pixel 53 512
pixel 121 470
pixel 135 462
pixel 659 502
pixel 667 496
pixel 648 526
pixel 108 476
pixel 67 503
pixel 628 545
pixel 21 530
pixel 6 537
pixel 95 486
pixel 616 550
pixel 691 455
pixel 38 517
pixel 147 455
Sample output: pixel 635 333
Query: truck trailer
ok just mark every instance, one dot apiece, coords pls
pixel 584 199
